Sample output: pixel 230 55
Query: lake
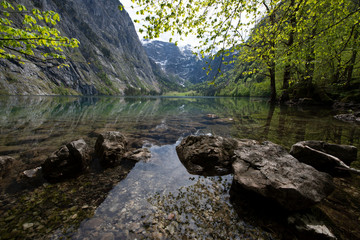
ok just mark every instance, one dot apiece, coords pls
pixel 154 199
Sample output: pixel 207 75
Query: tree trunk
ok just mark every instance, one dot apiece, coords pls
pixel 310 64
pixel 272 64
pixel 287 76
pixel 350 67
pixel 287 70
pixel 272 83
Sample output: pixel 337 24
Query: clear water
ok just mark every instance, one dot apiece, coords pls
pixel 159 198
pixel 28 123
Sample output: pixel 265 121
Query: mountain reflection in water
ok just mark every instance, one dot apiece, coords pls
pixel 47 122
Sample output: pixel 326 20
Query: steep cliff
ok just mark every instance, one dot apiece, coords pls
pixel 110 59
pixel 175 61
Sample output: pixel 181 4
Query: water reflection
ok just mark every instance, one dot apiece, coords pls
pixel 33 127
pixel 25 122
pixel 161 200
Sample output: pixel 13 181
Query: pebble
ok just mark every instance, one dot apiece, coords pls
pixel 171 216
pixel 74 208
pixel 27 225
pixel 8 219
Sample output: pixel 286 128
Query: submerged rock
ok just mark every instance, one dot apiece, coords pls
pixel 5 165
pixel 110 147
pixel 69 161
pixel 142 154
pixel 267 169
pixel 207 155
pixel 349 117
pixel 324 156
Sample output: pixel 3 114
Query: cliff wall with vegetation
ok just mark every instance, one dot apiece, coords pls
pixel 109 61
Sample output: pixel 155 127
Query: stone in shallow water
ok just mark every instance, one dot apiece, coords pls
pixel 207 155
pixel 5 165
pixel 349 117
pixel 345 153
pixel 142 154
pixel 110 147
pixel 267 169
pixel 27 225
pixel 69 161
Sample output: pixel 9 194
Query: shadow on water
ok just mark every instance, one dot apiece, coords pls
pixel 31 128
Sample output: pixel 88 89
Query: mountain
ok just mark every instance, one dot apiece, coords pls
pixel 110 59
pixel 175 61
pixel 182 62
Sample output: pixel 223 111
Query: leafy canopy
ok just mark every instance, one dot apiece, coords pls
pixel 300 35
pixel 36 31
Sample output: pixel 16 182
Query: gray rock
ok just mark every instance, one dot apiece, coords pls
pixel 111 147
pixel 267 169
pixel 324 156
pixel 207 155
pixel 5 165
pixel 69 161
pixel 309 227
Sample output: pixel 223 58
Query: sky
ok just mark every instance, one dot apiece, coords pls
pixel 191 40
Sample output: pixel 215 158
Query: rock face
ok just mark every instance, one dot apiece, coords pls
pixel 5 165
pixel 110 147
pixel 181 62
pixel 207 155
pixel 69 161
pixel 176 61
pixel 110 59
pixel 270 171
pixel 324 156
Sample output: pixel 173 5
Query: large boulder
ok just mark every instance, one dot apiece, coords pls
pixel 68 161
pixel 111 147
pixel 268 170
pixel 345 153
pixel 207 155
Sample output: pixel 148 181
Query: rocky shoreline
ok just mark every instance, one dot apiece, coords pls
pixel 271 188
pixel 281 191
